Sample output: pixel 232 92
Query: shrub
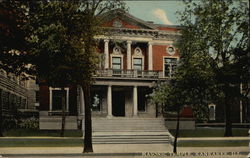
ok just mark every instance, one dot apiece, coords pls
pixel 29 123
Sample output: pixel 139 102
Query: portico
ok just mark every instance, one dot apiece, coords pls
pixel 128 53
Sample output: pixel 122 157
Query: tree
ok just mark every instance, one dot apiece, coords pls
pixel 64 46
pixel 219 30
pixel 54 40
pixel 12 40
pixel 93 19
pixel 191 85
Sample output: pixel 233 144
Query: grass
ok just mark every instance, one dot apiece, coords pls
pixel 41 133
pixel 210 132
pixel 77 141
pixel 214 143
pixel 41 143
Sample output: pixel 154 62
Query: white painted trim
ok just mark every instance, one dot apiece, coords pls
pixel 137 39
pixel 129 54
pixel 51 101
pixel 119 54
pixel 138 55
pixel 171 53
pixel 109 100
pixel 150 56
pixel 106 53
pixel 212 105
pixel 135 101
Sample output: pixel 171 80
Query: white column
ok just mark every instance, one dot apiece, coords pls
pixel 109 101
pixel 67 99
pixel 129 55
pixel 150 56
pixel 106 52
pixel 50 99
pixel 81 102
pixel 241 105
pixel 135 100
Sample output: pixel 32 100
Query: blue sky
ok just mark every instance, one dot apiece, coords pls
pixel 158 11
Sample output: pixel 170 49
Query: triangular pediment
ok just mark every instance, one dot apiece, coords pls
pixel 121 19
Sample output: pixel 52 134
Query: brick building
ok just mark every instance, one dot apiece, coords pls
pixel 136 55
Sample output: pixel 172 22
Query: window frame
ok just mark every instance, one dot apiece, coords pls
pixel 51 98
pixel 170 57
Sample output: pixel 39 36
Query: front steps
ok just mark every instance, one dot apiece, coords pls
pixel 131 138
pixel 118 130
pixel 122 124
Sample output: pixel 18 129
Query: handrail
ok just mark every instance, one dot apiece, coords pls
pixel 128 73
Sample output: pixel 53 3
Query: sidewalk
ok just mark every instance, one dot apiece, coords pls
pixel 119 151
pixel 122 150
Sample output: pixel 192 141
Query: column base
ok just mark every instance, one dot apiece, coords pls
pixel 109 116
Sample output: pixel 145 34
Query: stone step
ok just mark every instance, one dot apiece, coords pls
pixel 132 138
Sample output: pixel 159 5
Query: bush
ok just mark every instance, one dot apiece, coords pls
pixel 29 123
pixel 9 122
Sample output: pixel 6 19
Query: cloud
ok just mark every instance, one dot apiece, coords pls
pixel 162 15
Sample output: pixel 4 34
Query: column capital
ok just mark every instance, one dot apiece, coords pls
pixel 150 43
pixel 106 40
pixel 129 42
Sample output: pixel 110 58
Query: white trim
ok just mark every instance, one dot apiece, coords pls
pixel 138 55
pixel 129 55
pixel 214 106
pixel 51 98
pixel 150 56
pixel 168 51
pixel 106 53
pixel 116 54
pixel 135 101
pixel 163 63
pixel 117 50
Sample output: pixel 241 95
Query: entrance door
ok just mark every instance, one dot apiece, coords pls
pixel 118 103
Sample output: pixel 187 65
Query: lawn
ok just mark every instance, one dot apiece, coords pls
pixel 210 132
pixel 42 142
pixel 213 143
pixel 41 133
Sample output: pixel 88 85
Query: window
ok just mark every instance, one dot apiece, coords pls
pixel 57 99
pixel 116 62
pixel 171 50
pixel 169 66
pixel 212 108
pixel 137 63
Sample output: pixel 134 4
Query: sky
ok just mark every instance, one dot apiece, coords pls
pixel 158 11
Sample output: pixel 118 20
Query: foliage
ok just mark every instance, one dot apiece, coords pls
pixel 218 31
pixel 9 122
pixel 29 123
pixel 12 36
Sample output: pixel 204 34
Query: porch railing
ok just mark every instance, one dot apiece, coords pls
pixel 128 73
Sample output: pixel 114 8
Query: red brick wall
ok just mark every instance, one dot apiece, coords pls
pixel 44 98
pixel 124 24
pixel 73 100
pixel 158 52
